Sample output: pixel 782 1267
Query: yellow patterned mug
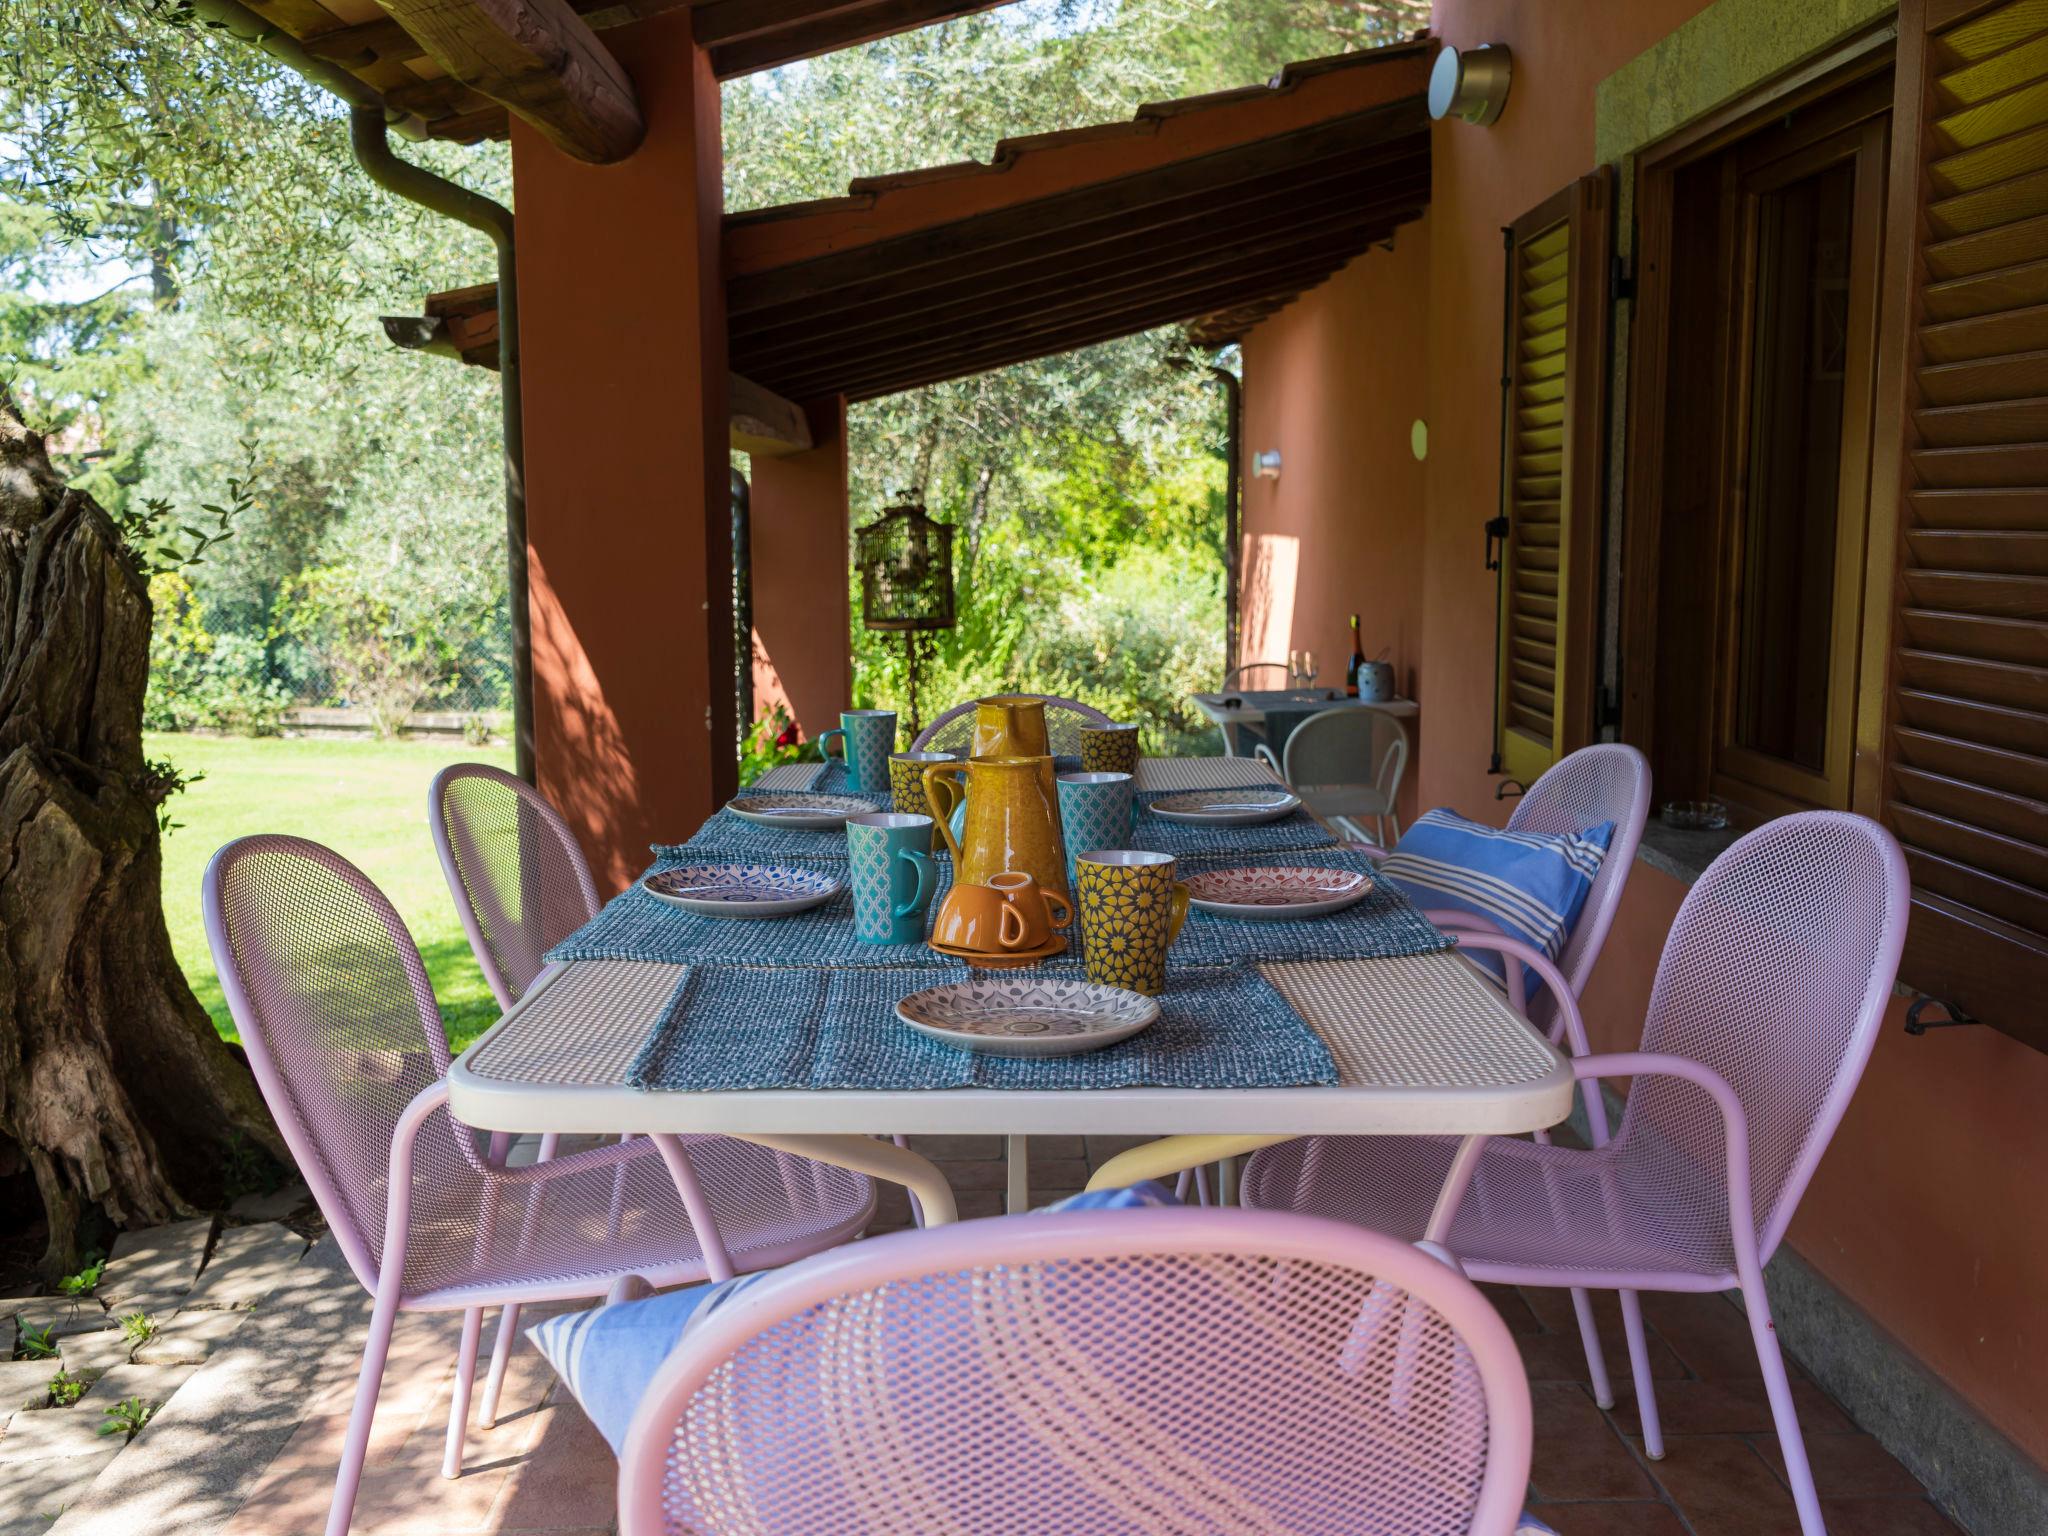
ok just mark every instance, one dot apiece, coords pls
pixel 906 786
pixel 1131 911
pixel 1110 748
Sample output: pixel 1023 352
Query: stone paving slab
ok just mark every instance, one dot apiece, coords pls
pixel 248 1263
pixel 188 1338
pixel 50 1432
pixel 156 1262
pixel 22 1379
pixel 95 1351
pixel 151 1383
pixel 32 1492
pixel 274 1206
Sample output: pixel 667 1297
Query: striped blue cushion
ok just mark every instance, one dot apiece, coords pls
pixel 1532 884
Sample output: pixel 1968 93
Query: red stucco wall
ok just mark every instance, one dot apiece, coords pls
pixel 623 330
pixel 1331 383
pixel 802 656
pixel 1927 1211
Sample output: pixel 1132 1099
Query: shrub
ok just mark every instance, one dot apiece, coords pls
pixel 199 681
pixel 376 661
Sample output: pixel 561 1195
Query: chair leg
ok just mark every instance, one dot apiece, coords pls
pixel 465 1374
pixel 501 1353
pixel 1596 1357
pixel 355 1444
pixel 1639 1361
pixel 1778 1388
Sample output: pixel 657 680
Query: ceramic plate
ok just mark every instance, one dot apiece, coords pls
pixel 817 812
pixel 741 890
pixel 1277 892
pixel 1227 807
pixel 1017 1016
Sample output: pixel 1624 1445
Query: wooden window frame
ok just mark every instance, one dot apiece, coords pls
pixel 1587 207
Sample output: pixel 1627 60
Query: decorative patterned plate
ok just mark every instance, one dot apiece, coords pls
pixel 821 813
pixel 1227 807
pixel 741 890
pixel 1276 891
pixel 1018 1016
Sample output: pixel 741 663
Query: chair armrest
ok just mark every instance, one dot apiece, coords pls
pixel 1570 1025
pixel 1265 755
pixel 1734 1124
pixel 1372 851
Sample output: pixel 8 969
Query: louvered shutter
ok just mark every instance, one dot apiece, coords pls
pixel 1966 782
pixel 1556 369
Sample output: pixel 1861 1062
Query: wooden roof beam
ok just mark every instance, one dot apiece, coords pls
pixel 540 61
pixel 745 36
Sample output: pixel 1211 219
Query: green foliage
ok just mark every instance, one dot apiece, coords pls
pixel 138 1327
pixel 376 656
pixel 35 1343
pixel 770 743
pixel 66 1389
pixel 127 1417
pixel 162 544
pixel 200 681
pixel 87 1280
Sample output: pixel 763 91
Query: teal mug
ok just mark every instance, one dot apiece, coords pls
pixel 893 876
pixel 866 738
pixel 1097 810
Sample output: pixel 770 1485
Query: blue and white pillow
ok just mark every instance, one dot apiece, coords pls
pixel 1532 884
pixel 607 1356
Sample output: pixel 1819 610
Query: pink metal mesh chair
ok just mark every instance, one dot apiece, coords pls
pixel 1201 1372
pixel 519 879
pixel 954 730
pixel 344 1037
pixel 1766 1005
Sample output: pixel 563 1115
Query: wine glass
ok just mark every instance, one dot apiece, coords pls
pixel 1308 669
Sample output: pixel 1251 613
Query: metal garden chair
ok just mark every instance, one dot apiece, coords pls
pixel 954 730
pixel 1091 1373
pixel 343 1034
pixel 1767 1002
pixel 1233 678
pixel 1345 763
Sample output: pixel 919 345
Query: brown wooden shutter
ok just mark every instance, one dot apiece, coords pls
pixel 1557 367
pixel 1966 781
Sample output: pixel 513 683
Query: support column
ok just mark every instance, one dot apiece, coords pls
pixel 624 396
pixel 803 647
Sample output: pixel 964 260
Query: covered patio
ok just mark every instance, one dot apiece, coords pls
pixel 1654 389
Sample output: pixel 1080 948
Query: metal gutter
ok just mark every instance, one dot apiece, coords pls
pixel 238 21
pixel 1233 462
pixel 367 132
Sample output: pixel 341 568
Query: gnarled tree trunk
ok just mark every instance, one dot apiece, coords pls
pixel 114 1089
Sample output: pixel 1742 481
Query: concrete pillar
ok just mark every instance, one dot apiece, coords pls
pixel 623 317
pixel 803 656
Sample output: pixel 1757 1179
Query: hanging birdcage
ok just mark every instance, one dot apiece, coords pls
pixel 906 580
pixel 906 571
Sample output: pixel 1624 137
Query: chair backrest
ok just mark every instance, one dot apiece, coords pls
pixel 1606 782
pixel 1776 975
pixel 519 879
pixel 341 1029
pixel 1251 668
pixel 1224 1371
pixel 954 730
pixel 1331 747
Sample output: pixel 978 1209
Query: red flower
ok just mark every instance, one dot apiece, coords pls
pixel 789 737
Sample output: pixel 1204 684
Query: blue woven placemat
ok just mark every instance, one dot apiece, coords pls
pixel 1382 927
pixel 1295 832
pixel 637 926
pixel 729 1030
pixel 726 838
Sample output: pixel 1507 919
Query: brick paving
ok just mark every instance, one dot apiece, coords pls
pixel 542 1469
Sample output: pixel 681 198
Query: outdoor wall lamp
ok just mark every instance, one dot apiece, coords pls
pixel 1267 465
pixel 1472 85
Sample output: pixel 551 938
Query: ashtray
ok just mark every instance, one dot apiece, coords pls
pixel 1695 815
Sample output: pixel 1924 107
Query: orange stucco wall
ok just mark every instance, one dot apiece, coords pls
pixel 802 657
pixel 1927 1210
pixel 623 333
pixel 1331 383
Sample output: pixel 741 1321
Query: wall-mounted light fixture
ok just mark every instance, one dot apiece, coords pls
pixel 1267 465
pixel 1472 85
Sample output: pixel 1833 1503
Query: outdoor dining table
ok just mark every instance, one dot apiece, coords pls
pixel 1249 706
pixel 1423 1044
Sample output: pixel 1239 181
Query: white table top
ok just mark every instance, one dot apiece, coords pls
pixel 1256 701
pixel 1422 1044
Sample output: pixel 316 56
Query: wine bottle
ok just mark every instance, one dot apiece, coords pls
pixel 1357 661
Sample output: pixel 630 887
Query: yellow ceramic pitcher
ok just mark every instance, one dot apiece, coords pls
pixel 1012 820
pixel 1010 725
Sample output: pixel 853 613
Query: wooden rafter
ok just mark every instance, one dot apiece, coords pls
pixel 749 35
pixel 539 60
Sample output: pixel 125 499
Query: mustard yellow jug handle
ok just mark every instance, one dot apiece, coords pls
pixel 945 795
pixel 1180 910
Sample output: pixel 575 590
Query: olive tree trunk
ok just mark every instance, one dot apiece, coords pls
pixel 115 1090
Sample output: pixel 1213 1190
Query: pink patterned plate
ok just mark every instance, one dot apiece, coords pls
pixel 1266 892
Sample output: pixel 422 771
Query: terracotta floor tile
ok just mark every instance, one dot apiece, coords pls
pixel 1561 1357
pixel 1632 1518
pixel 1513 1309
pixel 1724 1487
pixel 1577 1454
pixel 1847 1466
pixel 1886 1517
pixel 1696 1407
pixel 1708 1332
pixel 568 1481
pixel 944 1149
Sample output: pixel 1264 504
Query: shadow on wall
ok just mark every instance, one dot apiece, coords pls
pixel 1272 567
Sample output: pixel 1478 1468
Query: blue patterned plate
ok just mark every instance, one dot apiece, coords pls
pixel 1039 1016
pixel 820 813
pixel 741 890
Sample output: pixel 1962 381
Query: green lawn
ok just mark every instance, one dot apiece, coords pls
pixel 367 800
